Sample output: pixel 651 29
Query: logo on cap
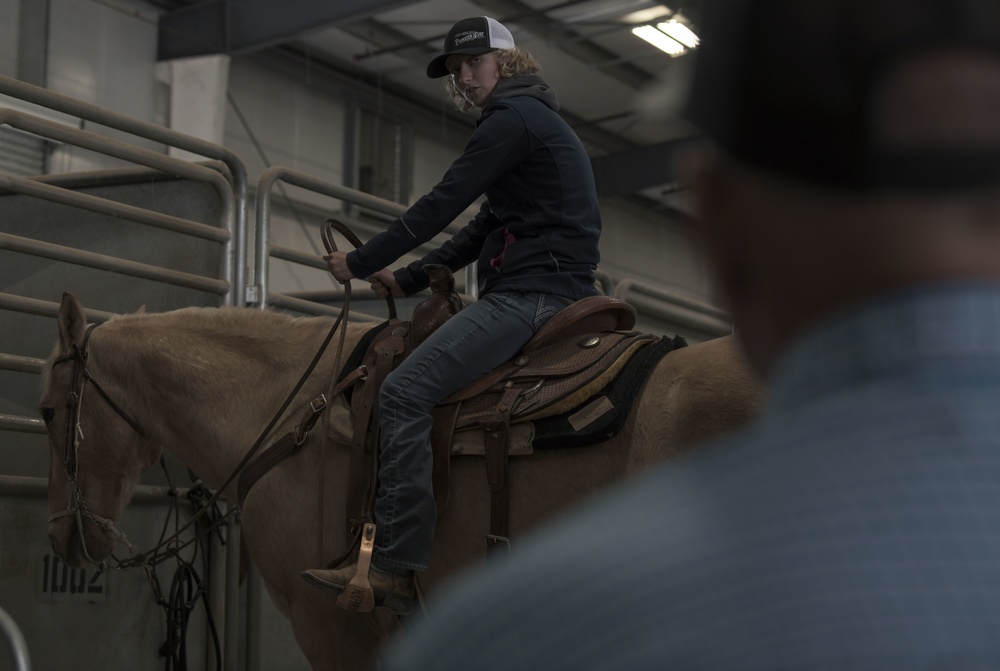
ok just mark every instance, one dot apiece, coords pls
pixel 468 36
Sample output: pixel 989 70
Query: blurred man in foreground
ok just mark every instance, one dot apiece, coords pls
pixel 851 210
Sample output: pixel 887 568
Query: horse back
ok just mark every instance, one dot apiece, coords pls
pixel 696 394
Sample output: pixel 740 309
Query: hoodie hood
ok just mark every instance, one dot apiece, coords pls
pixel 532 86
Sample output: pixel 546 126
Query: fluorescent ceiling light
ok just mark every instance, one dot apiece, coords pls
pixel 680 32
pixel 659 40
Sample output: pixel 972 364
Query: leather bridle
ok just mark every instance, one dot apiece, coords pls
pixel 77 506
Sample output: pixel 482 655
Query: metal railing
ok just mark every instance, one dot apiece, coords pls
pixel 151 131
pixel 18 646
pixel 138 155
pixel 264 251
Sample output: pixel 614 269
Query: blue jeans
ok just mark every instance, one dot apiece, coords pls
pixel 472 343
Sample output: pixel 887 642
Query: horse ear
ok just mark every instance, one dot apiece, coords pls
pixel 72 323
pixel 141 310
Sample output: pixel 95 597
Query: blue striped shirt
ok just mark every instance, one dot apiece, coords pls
pixel 855 525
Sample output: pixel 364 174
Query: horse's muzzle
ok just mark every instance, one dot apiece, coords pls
pixel 79 547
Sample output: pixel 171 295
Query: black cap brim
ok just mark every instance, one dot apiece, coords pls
pixel 437 68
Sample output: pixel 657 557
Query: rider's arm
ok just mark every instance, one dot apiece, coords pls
pixel 497 146
pixel 461 250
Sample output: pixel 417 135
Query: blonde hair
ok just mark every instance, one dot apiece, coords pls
pixel 510 62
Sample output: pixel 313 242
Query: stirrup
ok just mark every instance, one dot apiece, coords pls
pixel 358 596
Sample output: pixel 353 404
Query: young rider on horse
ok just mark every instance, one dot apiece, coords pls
pixel 536 241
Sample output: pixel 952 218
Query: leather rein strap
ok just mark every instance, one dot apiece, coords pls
pixel 291 442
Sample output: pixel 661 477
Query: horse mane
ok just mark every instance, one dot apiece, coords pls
pixel 229 347
pixel 230 327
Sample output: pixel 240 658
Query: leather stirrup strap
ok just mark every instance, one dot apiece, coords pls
pixel 356 480
pixel 497 443
pixel 362 481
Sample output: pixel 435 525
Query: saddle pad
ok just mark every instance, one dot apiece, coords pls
pixel 605 415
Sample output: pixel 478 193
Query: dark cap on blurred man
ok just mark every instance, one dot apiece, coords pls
pixel 796 86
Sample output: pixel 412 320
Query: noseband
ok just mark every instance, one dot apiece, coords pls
pixel 78 508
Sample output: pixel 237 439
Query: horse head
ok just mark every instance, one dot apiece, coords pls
pixel 98 451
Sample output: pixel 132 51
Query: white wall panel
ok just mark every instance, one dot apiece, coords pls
pixel 295 126
pixel 10 17
pixel 433 158
pixel 644 246
pixel 105 55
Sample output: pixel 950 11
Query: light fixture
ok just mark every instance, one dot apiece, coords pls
pixel 674 37
pixel 680 32
pixel 660 40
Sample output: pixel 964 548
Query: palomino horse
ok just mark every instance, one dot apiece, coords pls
pixel 202 383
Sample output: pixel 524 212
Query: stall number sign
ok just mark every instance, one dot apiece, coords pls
pixel 62 582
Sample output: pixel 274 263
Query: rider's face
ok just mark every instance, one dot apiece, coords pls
pixel 475 76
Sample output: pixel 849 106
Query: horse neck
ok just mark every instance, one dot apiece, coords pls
pixel 208 382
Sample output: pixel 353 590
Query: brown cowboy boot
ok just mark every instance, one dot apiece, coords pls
pixel 393 588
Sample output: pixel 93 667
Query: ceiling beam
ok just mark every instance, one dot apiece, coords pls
pixel 387 39
pixel 242 26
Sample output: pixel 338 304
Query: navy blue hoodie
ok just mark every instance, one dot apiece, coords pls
pixel 539 227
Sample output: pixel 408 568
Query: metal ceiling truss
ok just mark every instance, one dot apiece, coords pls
pixel 241 26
